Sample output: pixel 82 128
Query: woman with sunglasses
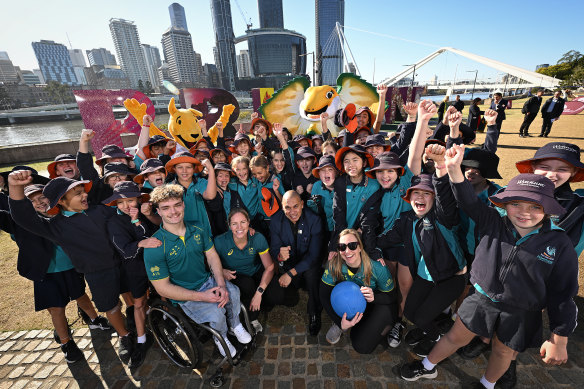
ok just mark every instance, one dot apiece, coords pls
pixel 351 263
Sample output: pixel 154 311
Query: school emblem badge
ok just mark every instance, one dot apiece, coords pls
pixel 155 270
pixel 548 256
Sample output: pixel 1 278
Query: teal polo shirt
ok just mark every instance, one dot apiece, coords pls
pixel 180 258
pixel 380 278
pixel 248 194
pixel 357 195
pixel 195 211
pixel 318 189
pixel 245 261
pixel 392 204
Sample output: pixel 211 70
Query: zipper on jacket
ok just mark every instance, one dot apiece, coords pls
pixel 507 265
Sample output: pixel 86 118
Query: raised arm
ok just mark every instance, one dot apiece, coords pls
pixel 144 136
pixel 426 109
pixel 211 190
pixel 382 92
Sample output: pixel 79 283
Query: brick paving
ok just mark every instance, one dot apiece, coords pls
pixel 285 358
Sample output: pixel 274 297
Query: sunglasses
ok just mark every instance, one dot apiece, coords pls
pixel 352 246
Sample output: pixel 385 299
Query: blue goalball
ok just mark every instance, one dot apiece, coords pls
pixel 347 298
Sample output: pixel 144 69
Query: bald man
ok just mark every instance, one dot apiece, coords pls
pixel 299 249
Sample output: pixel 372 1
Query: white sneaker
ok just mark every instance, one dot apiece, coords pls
pixel 231 347
pixel 334 333
pixel 241 334
pixel 257 326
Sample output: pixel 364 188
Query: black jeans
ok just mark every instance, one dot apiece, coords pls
pixel 546 127
pixel 527 120
pixel 289 296
pixel 427 299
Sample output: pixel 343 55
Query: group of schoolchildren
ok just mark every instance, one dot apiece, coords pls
pixel 474 263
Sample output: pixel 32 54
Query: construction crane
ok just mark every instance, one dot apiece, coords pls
pixel 246 20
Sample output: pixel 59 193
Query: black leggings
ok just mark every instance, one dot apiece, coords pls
pixel 427 299
pixel 289 296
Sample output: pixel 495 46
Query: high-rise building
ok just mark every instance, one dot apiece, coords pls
pixel 177 16
pixel 276 51
pixel 153 62
pixel 129 51
pixel 198 65
pixel 77 57
pixel 100 57
pixel 271 13
pixel 39 74
pixel 8 73
pixel 54 62
pixel 243 64
pixel 28 77
pixel 213 75
pixel 329 56
pixel 225 42
pixel 177 47
pixel 163 73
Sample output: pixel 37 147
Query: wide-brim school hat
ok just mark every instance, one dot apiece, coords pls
pixel 59 158
pixel 532 188
pixel 155 140
pixel 117 168
pixel 356 149
pixel 217 150
pixel 317 137
pixel 376 140
pixel 239 137
pixel 183 157
pixel 421 182
pixel 225 167
pixel 566 152
pixel 266 123
pixel 385 161
pixel 305 152
pixel 324 161
pixel 485 161
pixel 111 151
pixel 269 202
pixel 36 177
pixel 32 189
pixel 298 138
pixel 125 190
pixel 149 166
pixel 194 149
pixel 58 187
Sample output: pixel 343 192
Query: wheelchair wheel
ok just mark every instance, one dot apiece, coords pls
pixel 174 334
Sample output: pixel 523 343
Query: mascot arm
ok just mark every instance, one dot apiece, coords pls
pixel 353 89
pixel 138 111
pixel 225 115
pixel 283 106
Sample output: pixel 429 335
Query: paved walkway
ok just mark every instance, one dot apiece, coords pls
pixel 286 358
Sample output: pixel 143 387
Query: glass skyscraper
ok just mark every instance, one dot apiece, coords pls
pixel 276 51
pixel 225 42
pixel 271 13
pixel 177 16
pixel 101 57
pixel 328 51
pixel 54 62
pixel 129 50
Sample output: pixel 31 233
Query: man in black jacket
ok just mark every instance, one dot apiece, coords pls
pixel 298 245
pixel 458 104
pixel 550 112
pixel 499 104
pixel 530 109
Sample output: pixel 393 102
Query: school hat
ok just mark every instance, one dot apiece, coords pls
pixel 305 152
pixel 376 140
pixel 345 117
pixel 300 137
pixel 36 177
pixel 117 168
pixel 356 149
pixel 421 182
pixel 149 166
pixel 266 123
pixel 217 150
pixel 59 158
pixel 385 161
pixel 228 139
pixel 58 187
pixel 372 116
pixel 566 152
pixel 532 188
pixel 155 140
pixel 225 167
pixel 111 151
pixel 183 157
pixel 269 202
pixel 125 190
pixel 318 137
pixel 239 137
pixel 485 161
pixel 34 188
pixel 324 161
pixel 194 149
pixel 205 154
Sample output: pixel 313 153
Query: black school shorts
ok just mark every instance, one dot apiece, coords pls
pixel 396 254
pixel 105 287
pixel 134 277
pixel 516 328
pixel 57 289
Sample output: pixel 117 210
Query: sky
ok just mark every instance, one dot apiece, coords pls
pixel 383 35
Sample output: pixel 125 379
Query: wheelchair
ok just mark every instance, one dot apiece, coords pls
pixel 182 339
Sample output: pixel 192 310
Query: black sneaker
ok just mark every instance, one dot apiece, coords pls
pixel 423 348
pixel 126 347
pixel 314 324
pixel 99 323
pixel 71 351
pixel 415 370
pixel 394 337
pixel 139 354
pixel 509 379
pixel 475 348
pixel 414 336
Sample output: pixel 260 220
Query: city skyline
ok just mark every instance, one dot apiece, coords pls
pixel 385 54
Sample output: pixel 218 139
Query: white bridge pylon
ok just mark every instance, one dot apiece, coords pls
pixel 533 78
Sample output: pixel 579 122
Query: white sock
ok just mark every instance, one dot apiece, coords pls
pixel 427 364
pixel 487 384
pixel 142 339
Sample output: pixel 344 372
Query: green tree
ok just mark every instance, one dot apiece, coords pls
pixel 149 88
pixel 141 86
pixel 560 71
pixel 5 102
pixel 59 93
pixel 571 57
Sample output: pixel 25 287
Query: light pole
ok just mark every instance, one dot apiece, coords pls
pixel 313 66
pixel 413 74
pixel 476 72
